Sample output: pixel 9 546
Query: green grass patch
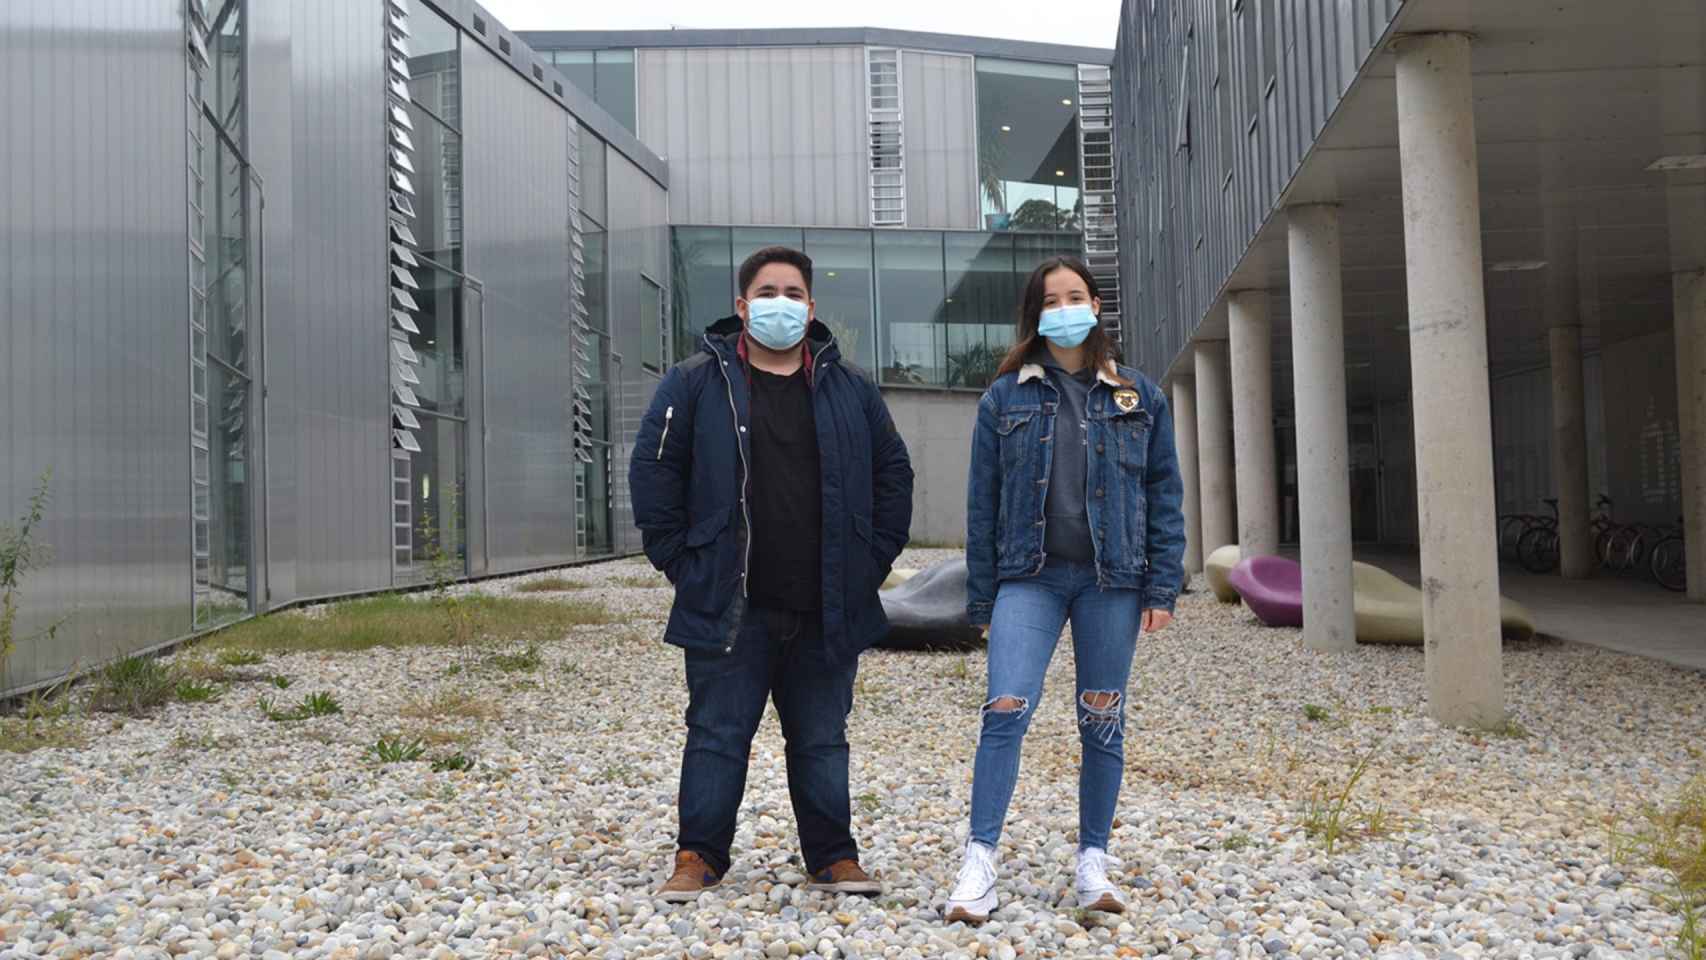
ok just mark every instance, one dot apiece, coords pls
pixel 320 704
pixel 397 621
pixel 1315 713
pixel 190 690
pixel 1671 837
pixel 455 763
pixel 1236 842
pixel 232 657
pixel 280 682
pixel 523 661
pixel 134 685
pixel 450 703
pixel 551 585
pixel 641 582
pixel 397 750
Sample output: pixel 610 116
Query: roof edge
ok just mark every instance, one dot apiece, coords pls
pixel 817 36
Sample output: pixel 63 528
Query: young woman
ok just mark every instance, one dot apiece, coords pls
pixel 1073 512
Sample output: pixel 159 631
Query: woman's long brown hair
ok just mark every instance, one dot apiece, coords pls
pixel 1099 348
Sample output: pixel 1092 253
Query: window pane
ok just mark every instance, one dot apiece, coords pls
pixel 224 94
pixel 228 486
pixel 576 67
pixel 909 306
pixel 439 481
pixel 440 343
pixel 594 190
pixel 842 285
pixel 651 324
pixel 437 156
pixel 704 283
pixel 596 476
pixel 982 298
pixel 596 272
pixel 1028 145
pixel 615 85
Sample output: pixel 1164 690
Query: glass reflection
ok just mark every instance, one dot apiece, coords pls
pixel 1028 145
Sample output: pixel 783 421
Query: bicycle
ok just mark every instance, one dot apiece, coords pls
pixel 1668 562
pixel 1538 548
pixel 1513 526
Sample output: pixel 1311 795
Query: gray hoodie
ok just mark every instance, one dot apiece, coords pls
pixel 1066 533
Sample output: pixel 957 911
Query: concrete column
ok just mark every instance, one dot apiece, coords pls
pixel 1448 356
pixel 1690 324
pixel 1214 447
pixel 1570 454
pixel 1253 422
pixel 1323 428
pixel 1185 440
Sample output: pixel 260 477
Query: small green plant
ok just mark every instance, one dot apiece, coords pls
pixel 870 802
pixel 19 554
pixel 397 750
pixel 1236 842
pixel 1315 713
pixel 450 703
pixel 525 661
pixel 42 723
pixel 1381 711
pixel 1671 837
pixel 198 691
pixel 240 658
pixel 456 762
pixel 1510 730
pixel 640 582
pixel 280 681
pixel 134 685
pixel 1336 815
pixel 60 920
pixel 276 715
pixel 321 704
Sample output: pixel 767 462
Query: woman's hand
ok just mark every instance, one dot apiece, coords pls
pixel 1155 621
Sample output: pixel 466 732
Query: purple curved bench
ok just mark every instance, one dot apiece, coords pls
pixel 1272 587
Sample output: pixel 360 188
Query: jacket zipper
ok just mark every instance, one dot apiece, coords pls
pixel 668 415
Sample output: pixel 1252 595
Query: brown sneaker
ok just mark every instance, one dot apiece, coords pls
pixel 693 876
pixel 845 876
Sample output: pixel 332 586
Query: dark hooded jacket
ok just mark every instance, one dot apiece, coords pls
pixel 689 483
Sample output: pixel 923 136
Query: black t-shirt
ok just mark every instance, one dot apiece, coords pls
pixel 786 502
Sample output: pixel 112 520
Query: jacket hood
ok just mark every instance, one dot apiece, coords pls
pixel 725 333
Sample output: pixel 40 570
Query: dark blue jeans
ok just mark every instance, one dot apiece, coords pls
pixel 781 656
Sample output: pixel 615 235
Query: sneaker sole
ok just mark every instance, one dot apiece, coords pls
pixel 1104 903
pixel 971 912
pixel 865 888
pixel 686 896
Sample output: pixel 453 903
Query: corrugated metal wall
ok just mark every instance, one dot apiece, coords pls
pixel 939 137
pixel 639 249
pixel 516 198
pixel 329 386
pixel 759 135
pixel 1522 440
pixel 1218 101
pixel 94 303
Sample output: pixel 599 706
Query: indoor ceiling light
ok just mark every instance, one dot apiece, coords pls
pixel 1006 129
pixel 832 273
pixel 1516 266
pixel 1060 173
pixel 1066 100
pixel 1689 161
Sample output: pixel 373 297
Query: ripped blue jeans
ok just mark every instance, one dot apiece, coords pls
pixel 1024 629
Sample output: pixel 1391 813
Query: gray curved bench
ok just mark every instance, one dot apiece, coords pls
pixel 928 611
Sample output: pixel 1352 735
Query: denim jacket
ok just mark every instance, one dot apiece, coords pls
pixel 1134 492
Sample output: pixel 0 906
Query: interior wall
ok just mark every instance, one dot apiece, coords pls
pixel 937 428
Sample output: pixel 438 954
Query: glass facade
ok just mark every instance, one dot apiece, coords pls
pixel 1027 145
pixel 438 344
pixel 595 476
pixel 607 76
pixel 927 308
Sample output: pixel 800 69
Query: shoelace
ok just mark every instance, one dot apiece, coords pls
pixel 1093 867
pixel 976 874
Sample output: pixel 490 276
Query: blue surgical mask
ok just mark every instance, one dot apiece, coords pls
pixel 1067 326
pixel 776 322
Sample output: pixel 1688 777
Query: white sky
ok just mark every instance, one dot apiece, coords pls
pixel 1087 23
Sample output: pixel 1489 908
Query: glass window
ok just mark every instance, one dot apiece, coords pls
pixel 651 324
pixel 440 343
pixel 843 286
pixel 594 177
pixel 983 293
pixel 749 241
pixel 439 478
pixel 704 283
pixel 1028 145
pixel 615 85
pixel 576 66
pixel 909 305
pixel 436 112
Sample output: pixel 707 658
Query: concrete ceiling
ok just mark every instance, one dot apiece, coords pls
pixel 1574 100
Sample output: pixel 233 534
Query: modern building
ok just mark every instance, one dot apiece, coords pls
pixel 307 299
pixel 924 174
pixel 1409 265
pixel 331 297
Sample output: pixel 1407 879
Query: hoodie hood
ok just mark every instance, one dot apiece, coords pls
pixel 725 334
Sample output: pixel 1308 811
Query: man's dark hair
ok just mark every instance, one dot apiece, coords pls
pixel 769 255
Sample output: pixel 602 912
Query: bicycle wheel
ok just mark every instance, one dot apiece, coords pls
pixel 1538 550
pixel 1602 546
pixel 1620 552
pixel 1669 564
pixel 1511 528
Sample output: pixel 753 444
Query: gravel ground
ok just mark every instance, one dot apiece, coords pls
pixel 208 830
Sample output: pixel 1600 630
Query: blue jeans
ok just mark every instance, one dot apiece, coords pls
pixel 779 655
pixel 1024 629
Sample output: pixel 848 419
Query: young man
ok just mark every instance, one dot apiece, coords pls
pixel 772 490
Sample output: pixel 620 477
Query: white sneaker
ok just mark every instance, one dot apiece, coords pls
pixel 974 892
pixel 1094 890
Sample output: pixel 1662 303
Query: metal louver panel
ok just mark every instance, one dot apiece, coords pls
pixel 405 417
pixel 406 441
pixel 405 396
pixel 1096 150
pixel 404 322
pixel 402 299
pixel 403 244
pixel 402 255
pixel 404 277
pixel 885 147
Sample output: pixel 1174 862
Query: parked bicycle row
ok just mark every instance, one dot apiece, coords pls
pixel 1653 551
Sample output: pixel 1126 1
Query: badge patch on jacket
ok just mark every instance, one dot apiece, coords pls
pixel 1126 400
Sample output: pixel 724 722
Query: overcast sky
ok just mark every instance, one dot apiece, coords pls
pixel 1087 23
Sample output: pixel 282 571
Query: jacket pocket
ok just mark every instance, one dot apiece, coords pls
pixel 698 571
pixel 707 530
pixel 865 576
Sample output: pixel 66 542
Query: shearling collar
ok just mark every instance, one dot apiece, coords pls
pixel 1034 371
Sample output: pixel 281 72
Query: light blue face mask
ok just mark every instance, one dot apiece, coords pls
pixel 1067 326
pixel 777 322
